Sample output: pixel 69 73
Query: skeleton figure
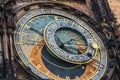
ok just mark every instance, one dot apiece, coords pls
pixel 106 28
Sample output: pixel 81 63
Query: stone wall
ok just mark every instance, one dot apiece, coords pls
pixel 115 7
pixel 84 7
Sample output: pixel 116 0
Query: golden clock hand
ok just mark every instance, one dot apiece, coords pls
pixel 71 40
pixel 95 46
pixel 74 45
pixel 79 49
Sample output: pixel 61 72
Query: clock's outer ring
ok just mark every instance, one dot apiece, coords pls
pixel 66 8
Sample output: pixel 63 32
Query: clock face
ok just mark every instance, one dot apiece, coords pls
pixel 55 44
pixel 69 41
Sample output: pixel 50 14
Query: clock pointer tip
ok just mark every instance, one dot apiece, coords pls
pixel 95 46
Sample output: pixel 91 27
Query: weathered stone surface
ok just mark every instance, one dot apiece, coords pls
pixel 84 7
pixel 115 7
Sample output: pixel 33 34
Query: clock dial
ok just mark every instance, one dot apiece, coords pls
pixel 72 46
pixel 70 41
pixel 55 44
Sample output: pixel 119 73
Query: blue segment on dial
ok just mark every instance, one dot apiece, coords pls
pixel 18 47
pixel 16 37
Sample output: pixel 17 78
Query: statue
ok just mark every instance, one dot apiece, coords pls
pixel 107 30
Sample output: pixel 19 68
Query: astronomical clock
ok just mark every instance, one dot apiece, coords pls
pixel 54 41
